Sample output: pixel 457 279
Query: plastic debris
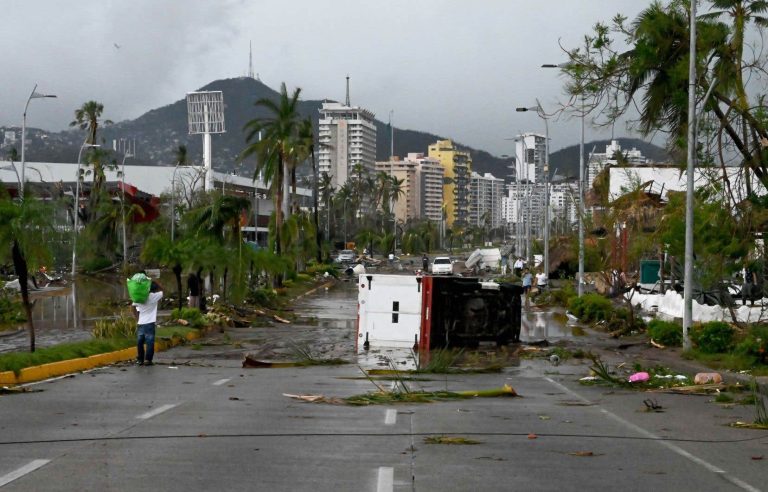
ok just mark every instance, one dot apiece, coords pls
pixel 708 378
pixel 589 378
pixel 639 377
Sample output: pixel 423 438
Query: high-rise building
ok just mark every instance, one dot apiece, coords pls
pixel 422 186
pixel 530 152
pixel 486 194
pixel 457 166
pixel 347 137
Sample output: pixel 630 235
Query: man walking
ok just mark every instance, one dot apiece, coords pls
pixel 146 313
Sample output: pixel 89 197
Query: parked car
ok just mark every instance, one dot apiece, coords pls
pixel 346 256
pixel 442 265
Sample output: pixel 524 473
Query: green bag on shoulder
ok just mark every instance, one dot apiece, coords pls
pixel 138 288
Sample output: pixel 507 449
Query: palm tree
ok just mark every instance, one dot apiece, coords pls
pixel 326 189
pixel 742 12
pixel 88 117
pixel 23 226
pixel 277 146
pixel 307 140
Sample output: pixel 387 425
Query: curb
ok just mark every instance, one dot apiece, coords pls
pixel 64 367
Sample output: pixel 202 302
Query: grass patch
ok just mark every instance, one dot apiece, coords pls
pixel 723 398
pixel 17 361
pixel 450 440
pixel 733 361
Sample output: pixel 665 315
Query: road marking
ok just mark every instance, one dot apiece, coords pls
pixel 672 447
pixel 386 480
pixel 156 411
pixel 391 417
pixel 222 381
pixel 28 468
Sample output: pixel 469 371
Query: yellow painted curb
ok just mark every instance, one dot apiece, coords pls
pixel 60 368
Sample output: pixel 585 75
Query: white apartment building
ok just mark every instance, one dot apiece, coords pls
pixel 422 186
pixel 347 137
pixel 486 195
pixel 598 161
pixel 530 153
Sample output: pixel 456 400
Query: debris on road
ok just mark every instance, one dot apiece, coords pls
pixel 383 397
pixel 450 440
pixel 639 377
pixel 582 454
pixel 652 406
pixel 708 378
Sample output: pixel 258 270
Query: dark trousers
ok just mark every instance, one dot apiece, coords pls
pixel 145 334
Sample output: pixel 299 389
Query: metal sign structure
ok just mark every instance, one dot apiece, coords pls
pixel 205 115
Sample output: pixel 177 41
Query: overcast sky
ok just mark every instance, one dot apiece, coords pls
pixel 455 68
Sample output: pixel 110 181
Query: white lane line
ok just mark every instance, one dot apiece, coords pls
pixel 672 447
pixel 386 480
pixel 157 411
pixel 222 381
pixel 391 417
pixel 28 468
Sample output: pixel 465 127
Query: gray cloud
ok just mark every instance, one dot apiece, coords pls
pixel 457 68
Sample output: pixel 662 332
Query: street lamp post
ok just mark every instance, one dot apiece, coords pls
pixel 76 208
pixel 33 95
pixel 540 112
pixel 581 185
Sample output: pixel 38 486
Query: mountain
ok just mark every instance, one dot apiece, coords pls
pixel 566 160
pixel 159 132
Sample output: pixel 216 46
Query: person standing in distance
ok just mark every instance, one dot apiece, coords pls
pixel 146 314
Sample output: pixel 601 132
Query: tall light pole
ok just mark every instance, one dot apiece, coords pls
pixel 688 268
pixel 76 209
pixel 581 185
pixel 33 95
pixel 127 152
pixel 540 112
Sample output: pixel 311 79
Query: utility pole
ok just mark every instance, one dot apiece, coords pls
pixel 688 269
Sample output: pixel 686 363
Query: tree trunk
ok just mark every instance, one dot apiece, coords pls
pixel 20 265
pixel 224 285
pixel 315 198
pixel 177 273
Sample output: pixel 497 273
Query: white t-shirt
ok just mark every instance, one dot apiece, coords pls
pixel 518 263
pixel 148 310
pixel 541 279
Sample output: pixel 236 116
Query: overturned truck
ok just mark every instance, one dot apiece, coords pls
pixel 428 312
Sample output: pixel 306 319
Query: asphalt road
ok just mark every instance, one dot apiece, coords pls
pixel 204 423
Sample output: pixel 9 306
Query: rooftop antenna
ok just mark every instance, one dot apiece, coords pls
pixel 250 59
pixel 347 90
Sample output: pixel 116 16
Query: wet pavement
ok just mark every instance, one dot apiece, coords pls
pixel 325 327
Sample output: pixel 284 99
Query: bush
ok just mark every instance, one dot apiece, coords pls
pixel 591 307
pixel 666 332
pixel 713 337
pixel 96 264
pixel 262 297
pixel 561 296
pixel 192 315
pixel 755 344
pixel 11 308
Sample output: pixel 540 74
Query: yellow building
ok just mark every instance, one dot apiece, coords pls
pixel 457 167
